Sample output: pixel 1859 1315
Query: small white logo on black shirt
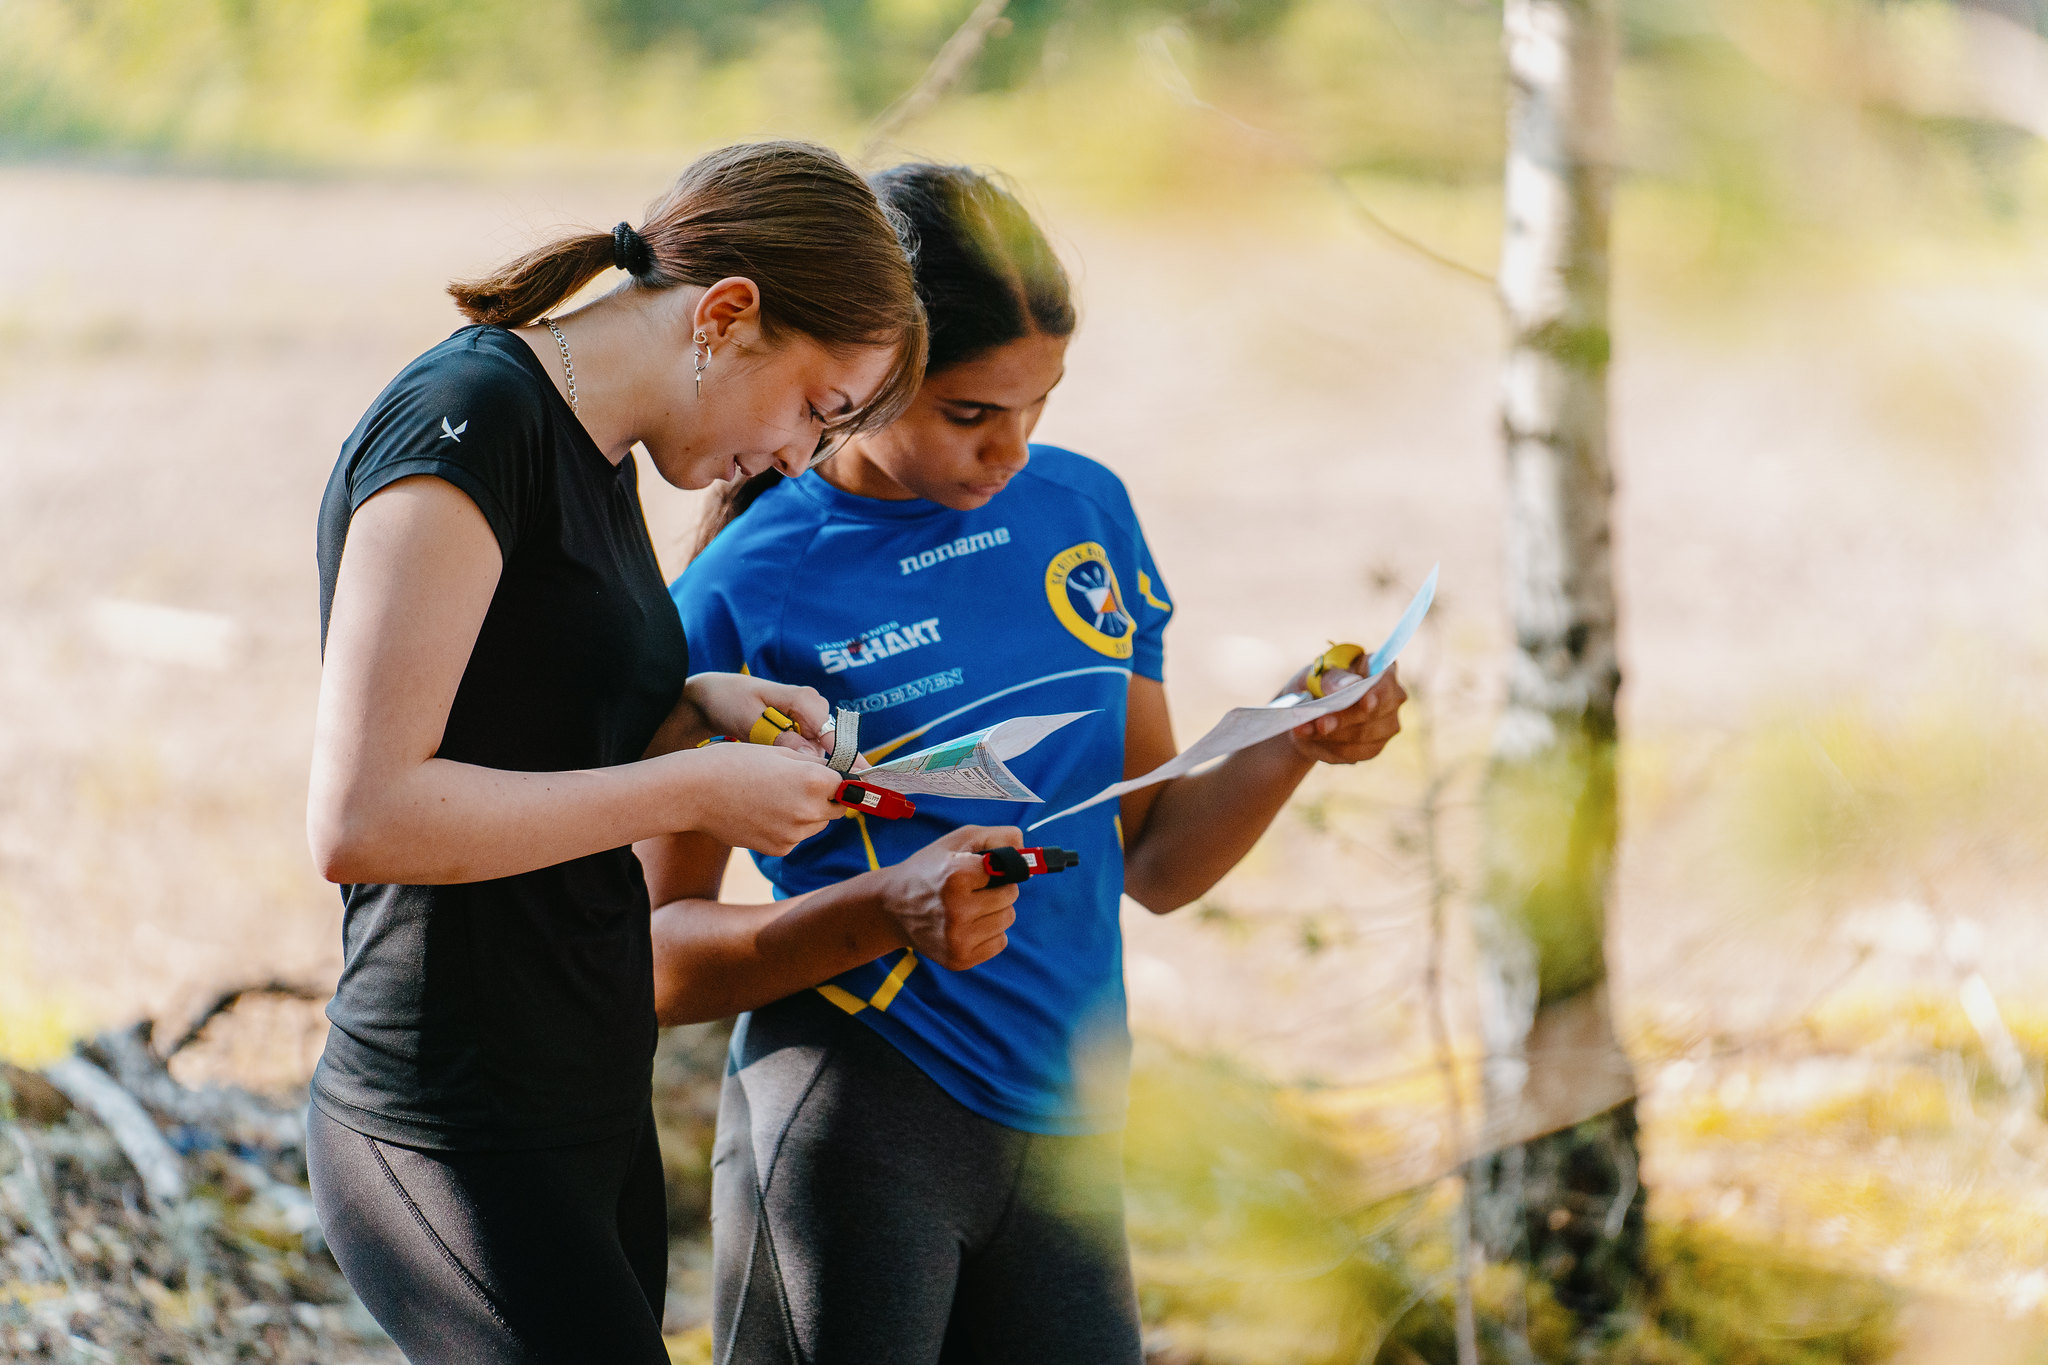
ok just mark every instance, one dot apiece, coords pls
pixel 454 434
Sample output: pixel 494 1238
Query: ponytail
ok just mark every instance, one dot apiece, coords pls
pixel 530 287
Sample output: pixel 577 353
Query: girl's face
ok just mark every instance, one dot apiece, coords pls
pixel 763 403
pixel 965 434
pixel 767 407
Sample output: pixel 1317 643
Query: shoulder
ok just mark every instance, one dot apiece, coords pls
pixel 478 368
pixel 1055 471
pixel 468 411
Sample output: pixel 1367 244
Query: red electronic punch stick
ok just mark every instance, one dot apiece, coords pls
pixel 1007 866
pixel 869 799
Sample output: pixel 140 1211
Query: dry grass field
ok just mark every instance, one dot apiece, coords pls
pixel 1833 541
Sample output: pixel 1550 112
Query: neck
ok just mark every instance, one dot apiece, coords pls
pixel 854 471
pixel 608 341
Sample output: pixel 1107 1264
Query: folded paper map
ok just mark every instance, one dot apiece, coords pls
pixel 1249 725
pixel 972 765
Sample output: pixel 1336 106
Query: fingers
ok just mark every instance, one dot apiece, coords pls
pixel 803 751
pixel 1354 748
pixel 809 748
pixel 804 705
pixel 993 938
pixel 965 872
pixel 981 838
pixel 974 938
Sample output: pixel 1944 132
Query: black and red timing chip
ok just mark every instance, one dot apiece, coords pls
pixel 869 799
pixel 1008 866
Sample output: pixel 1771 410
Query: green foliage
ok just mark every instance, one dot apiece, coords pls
pixel 1723 1301
pixel 1254 1238
pixel 1744 124
pixel 1259 1241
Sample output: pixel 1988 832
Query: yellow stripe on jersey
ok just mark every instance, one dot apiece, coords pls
pixel 874 863
pixel 847 1001
pixel 1145 591
pixel 885 994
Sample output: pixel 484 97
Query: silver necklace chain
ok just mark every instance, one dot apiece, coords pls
pixel 568 365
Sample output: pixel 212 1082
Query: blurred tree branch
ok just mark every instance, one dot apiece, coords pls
pixel 1166 68
pixel 955 58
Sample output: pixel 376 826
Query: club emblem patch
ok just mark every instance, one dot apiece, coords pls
pixel 1084 594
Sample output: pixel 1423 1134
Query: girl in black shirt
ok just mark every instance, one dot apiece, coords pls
pixel 503 713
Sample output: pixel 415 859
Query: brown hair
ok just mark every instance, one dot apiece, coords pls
pixel 831 261
pixel 985 272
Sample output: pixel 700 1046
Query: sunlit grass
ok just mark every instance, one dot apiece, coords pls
pixel 1878 1135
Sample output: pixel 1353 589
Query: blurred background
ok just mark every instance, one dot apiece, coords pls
pixel 224 224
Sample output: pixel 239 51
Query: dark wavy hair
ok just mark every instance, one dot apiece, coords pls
pixel 985 274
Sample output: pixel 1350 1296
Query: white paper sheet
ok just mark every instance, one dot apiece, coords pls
pixel 972 765
pixel 1248 725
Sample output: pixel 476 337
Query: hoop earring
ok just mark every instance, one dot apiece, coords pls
pixel 701 356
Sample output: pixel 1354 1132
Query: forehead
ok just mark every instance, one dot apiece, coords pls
pixel 1013 374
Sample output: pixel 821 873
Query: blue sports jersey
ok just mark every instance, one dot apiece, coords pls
pixel 933 623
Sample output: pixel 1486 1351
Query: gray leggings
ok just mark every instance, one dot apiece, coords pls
pixel 861 1215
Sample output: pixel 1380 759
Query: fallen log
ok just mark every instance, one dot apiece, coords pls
pixel 122 1115
pixel 232 1114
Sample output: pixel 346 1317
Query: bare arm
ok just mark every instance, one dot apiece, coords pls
pixel 416 577
pixel 712 959
pixel 1181 837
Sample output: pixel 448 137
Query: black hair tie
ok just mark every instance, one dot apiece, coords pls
pixel 630 251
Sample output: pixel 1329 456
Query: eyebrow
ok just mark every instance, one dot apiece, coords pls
pixel 845 403
pixel 998 407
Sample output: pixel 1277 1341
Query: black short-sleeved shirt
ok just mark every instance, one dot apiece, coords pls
pixel 517 1012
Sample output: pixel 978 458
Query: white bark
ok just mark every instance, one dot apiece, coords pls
pixel 1553 745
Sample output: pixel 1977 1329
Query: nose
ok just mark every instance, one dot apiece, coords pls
pixel 1007 447
pixel 793 458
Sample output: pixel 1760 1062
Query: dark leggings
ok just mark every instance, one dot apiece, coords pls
pixel 863 1216
pixel 488 1258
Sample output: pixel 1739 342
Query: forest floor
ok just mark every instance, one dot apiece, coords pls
pixel 1833 484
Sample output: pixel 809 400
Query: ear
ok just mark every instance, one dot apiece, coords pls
pixel 729 310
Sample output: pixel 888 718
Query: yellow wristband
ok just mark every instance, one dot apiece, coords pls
pixel 771 727
pixel 1334 659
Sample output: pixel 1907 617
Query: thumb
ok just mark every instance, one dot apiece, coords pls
pixel 981 838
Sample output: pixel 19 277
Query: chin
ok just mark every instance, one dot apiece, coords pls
pixel 969 500
pixel 689 478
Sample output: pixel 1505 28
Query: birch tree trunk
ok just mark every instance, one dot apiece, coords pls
pixel 1560 1192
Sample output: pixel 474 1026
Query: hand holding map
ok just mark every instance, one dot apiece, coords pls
pixel 1249 725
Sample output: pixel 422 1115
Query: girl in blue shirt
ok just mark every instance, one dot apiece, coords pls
pixel 919 1152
